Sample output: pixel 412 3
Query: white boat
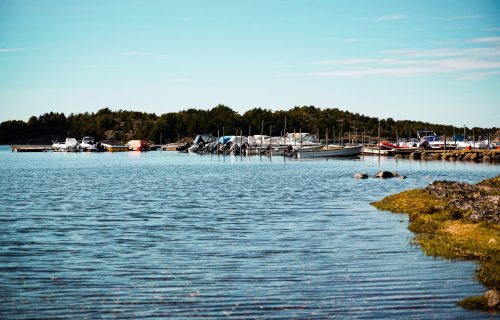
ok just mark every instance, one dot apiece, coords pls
pixel 88 144
pixel 200 142
pixel 348 151
pixel 69 145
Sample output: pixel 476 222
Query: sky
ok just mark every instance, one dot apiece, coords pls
pixel 434 61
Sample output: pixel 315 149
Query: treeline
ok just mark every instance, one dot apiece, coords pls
pixel 125 125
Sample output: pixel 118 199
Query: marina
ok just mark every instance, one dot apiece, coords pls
pixel 274 160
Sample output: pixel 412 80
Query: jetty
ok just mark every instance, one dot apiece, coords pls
pixel 31 148
pixel 478 155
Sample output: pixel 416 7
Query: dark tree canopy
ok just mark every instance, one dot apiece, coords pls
pixel 124 125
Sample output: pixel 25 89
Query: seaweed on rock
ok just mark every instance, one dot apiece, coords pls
pixel 456 221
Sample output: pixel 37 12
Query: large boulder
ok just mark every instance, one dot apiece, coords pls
pixel 385 174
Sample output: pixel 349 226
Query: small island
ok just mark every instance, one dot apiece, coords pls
pixel 456 220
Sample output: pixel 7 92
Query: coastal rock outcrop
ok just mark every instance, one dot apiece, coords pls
pixel 457 220
pixel 480 202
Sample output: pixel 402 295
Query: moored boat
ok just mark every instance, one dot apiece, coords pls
pixel 88 144
pixel 69 145
pixel 326 152
pixel 138 145
pixel 114 147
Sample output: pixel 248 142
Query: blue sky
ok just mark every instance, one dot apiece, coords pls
pixel 436 61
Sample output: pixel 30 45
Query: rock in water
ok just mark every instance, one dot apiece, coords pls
pixel 493 297
pixel 415 155
pixel 360 176
pixel 384 174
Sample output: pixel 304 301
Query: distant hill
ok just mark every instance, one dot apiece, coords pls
pixel 126 125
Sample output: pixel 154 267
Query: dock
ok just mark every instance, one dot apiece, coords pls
pixel 31 148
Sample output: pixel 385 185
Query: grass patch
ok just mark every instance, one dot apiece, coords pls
pixel 443 230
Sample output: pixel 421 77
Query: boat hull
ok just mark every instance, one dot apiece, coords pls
pixel 327 153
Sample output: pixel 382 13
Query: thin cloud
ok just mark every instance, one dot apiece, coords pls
pixel 493 40
pixel 390 17
pixel 357 61
pixel 471 68
pixel 468 63
pixel 12 49
pixel 479 75
pixel 493 29
pixel 446 52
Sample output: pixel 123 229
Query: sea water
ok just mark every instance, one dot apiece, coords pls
pixel 168 235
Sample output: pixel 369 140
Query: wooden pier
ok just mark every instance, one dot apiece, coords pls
pixel 31 148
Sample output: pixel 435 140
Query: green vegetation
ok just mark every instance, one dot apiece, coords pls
pixel 123 125
pixel 449 226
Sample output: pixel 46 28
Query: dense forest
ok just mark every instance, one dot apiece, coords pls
pixel 124 125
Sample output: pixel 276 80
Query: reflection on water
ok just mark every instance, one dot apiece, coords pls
pixel 157 235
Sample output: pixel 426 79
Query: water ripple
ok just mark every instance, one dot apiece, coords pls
pixel 161 235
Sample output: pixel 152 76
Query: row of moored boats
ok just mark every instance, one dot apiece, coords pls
pixel 89 144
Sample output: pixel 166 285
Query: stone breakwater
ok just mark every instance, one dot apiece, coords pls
pixel 489 156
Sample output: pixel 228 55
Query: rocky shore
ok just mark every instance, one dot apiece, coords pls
pixel 457 220
pixel 488 156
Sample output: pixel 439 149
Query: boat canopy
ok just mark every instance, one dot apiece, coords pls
pixel 71 141
pixel 233 139
pixel 304 136
pixel 205 137
pixel 425 133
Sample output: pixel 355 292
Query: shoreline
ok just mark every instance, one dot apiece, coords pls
pixel 457 221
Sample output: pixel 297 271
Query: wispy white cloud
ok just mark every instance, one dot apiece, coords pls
pixel 420 68
pixel 390 17
pixel 357 61
pixel 469 17
pixel 12 49
pixel 446 52
pixel 476 76
pixel 494 40
pixel 465 63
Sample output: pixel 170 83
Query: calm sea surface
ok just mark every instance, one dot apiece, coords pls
pixel 167 235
